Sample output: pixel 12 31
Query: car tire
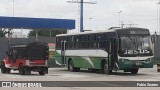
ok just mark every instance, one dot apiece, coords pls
pixel 8 70
pixel 3 68
pixel 21 69
pixel 41 72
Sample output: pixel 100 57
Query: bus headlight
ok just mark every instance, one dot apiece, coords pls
pixel 148 60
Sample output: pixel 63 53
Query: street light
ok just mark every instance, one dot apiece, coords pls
pixel 81 11
pixel 158 28
pixel 119 17
pixel 9 31
pixel 90 23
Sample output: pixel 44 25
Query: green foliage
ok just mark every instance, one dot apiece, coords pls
pixel 2 32
pixel 47 32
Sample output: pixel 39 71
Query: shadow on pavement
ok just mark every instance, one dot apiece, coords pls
pixel 118 73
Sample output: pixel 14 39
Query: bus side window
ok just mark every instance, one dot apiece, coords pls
pixel 58 42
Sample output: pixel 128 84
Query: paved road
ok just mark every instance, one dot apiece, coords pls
pixel 61 74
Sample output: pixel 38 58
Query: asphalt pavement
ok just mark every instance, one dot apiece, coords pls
pixel 61 79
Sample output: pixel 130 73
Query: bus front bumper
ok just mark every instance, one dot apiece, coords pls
pixel 130 64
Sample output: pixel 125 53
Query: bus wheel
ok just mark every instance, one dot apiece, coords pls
pixel 106 69
pixel 71 67
pixel 21 70
pixel 3 68
pixel 134 71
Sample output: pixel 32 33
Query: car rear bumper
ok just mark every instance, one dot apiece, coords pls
pixel 38 68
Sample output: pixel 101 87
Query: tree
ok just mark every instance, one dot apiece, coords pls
pixel 3 32
pixel 47 32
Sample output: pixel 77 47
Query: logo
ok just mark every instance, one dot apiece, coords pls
pixel 21 84
pixel 6 84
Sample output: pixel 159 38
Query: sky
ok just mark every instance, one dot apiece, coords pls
pixel 100 16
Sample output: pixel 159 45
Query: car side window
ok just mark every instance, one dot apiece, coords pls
pixel 14 54
pixel 20 53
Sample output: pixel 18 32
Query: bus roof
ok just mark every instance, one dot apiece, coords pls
pixel 110 30
pixel 83 33
pixel 133 31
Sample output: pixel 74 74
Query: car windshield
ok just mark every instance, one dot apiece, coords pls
pixel 136 44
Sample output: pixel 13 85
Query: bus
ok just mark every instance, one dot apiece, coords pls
pixel 115 49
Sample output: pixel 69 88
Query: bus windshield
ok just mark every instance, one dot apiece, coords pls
pixel 136 45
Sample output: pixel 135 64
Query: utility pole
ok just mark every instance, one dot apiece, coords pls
pixel 90 23
pixel 81 11
pixel 119 17
pixel 9 38
pixel 158 17
pixel 21 32
pixel 122 24
pixel 9 31
pixel 37 35
pixel 50 33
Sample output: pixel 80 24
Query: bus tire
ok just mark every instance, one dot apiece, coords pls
pixel 71 67
pixel 3 68
pixel 134 71
pixel 21 69
pixel 105 68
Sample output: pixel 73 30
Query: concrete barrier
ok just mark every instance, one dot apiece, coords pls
pixel 158 67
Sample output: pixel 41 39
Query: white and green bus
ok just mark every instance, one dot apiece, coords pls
pixel 125 49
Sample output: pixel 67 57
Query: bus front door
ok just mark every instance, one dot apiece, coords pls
pixel 112 55
pixel 63 49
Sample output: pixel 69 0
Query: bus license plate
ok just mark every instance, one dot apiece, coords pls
pixel 138 63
